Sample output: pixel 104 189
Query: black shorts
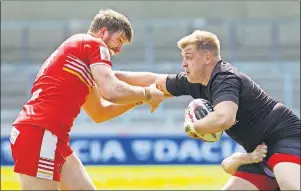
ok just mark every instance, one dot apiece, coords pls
pixel 261 174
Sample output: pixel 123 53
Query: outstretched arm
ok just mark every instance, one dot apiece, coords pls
pixel 99 67
pixel 101 110
pixel 144 79
pixel 233 162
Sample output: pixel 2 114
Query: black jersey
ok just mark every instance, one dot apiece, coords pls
pixel 259 117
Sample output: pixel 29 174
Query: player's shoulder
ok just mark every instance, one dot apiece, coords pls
pixel 91 40
pixel 86 39
pixel 225 69
pixel 223 72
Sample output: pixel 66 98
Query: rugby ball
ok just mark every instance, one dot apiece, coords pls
pixel 196 110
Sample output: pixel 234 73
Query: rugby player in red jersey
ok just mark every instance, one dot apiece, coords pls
pixel 241 108
pixel 78 73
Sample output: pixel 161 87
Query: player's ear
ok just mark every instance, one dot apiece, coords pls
pixel 208 58
pixel 103 32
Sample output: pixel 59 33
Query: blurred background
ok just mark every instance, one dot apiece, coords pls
pixel 140 150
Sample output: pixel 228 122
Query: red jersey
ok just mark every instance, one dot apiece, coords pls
pixel 63 83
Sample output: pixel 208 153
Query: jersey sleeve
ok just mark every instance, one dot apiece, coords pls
pixel 225 87
pixel 177 84
pixel 97 53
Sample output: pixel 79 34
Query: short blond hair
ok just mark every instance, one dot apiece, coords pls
pixel 114 21
pixel 202 40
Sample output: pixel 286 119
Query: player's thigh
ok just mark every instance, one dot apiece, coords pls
pixel 284 160
pixel 286 169
pixel 237 183
pixel 34 151
pixel 250 177
pixel 281 171
pixel 34 183
pixel 74 176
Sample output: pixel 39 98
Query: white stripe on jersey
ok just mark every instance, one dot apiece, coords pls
pixel 47 167
pixel 76 62
pixel 80 71
pixel 46 162
pixel 85 67
pixel 45 171
pixel 29 109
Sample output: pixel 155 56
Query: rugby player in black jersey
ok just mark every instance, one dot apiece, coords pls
pixel 241 108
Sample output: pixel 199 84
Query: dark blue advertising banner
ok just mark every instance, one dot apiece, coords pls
pixel 142 150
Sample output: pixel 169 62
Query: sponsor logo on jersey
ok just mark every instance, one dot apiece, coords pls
pixel 104 53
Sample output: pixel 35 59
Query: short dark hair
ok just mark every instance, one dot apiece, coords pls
pixel 114 21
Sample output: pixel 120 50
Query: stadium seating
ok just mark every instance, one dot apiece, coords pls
pixel 251 46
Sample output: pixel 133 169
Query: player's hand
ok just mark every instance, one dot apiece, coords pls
pixel 259 153
pixel 156 97
pixel 188 126
pixel 159 87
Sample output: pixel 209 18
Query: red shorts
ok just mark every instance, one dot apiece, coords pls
pixel 37 152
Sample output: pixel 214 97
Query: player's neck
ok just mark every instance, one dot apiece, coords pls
pixel 205 79
pixel 208 71
pixel 93 34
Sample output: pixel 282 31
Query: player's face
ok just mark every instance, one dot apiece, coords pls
pixel 193 63
pixel 115 41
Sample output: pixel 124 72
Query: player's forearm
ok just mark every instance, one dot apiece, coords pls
pixel 113 111
pixel 144 79
pixel 114 90
pixel 101 110
pixel 233 162
pixel 136 78
pixel 123 93
pixel 212 123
